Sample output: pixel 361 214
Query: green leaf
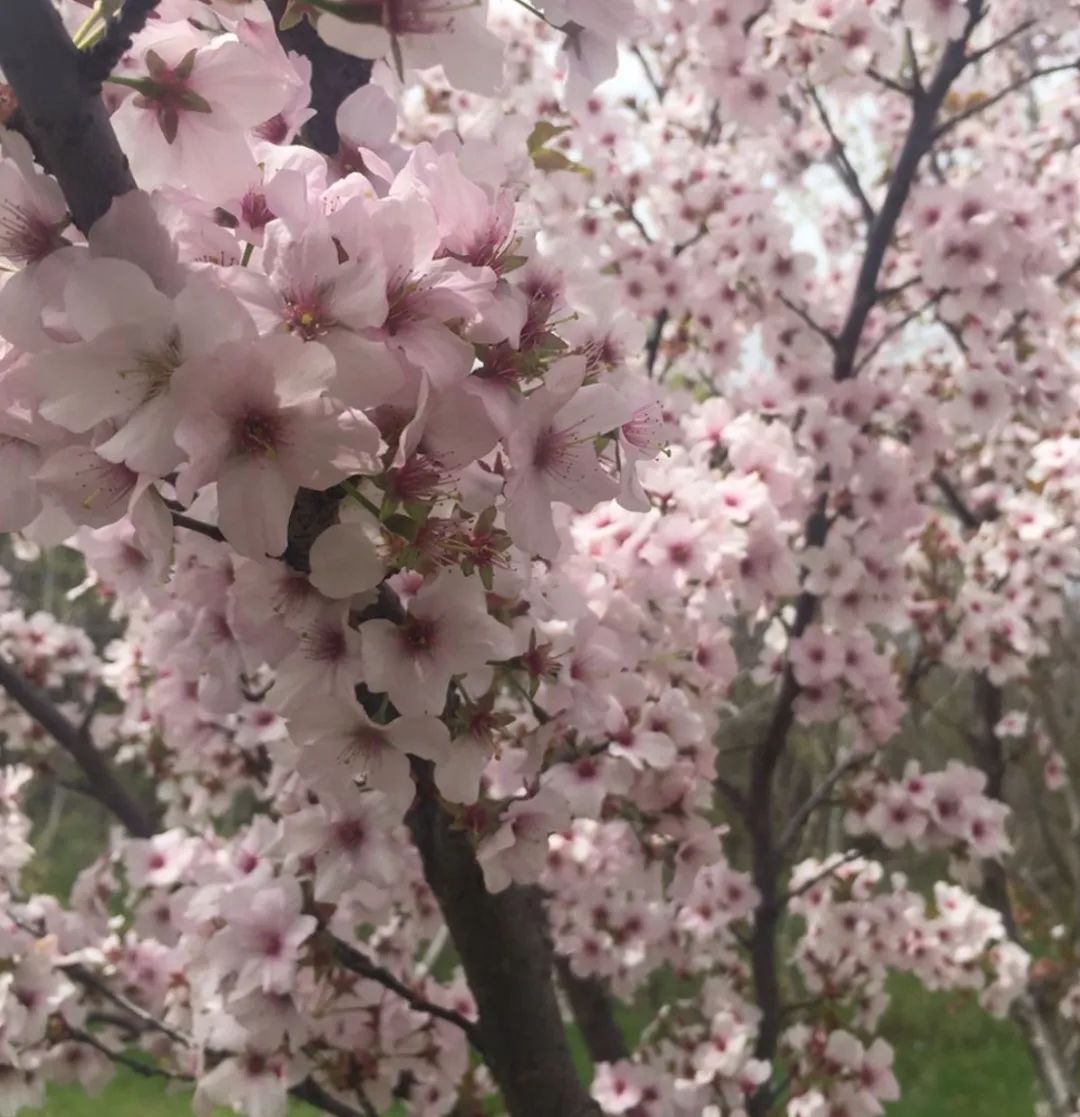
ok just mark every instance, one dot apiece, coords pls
pixel 543 134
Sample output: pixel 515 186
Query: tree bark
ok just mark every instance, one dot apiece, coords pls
pixel 63 117
pixel 507 956
pixel 594 1014
pixel 102 783
pixel 334 75
pixel 1034 1018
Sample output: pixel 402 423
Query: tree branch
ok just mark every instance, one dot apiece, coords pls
pixel 103 784
pixel 65 120
pixel 310 1091
pixel 191 524
pixel 99 62
pixel 79 973
pixel 848 175
pixel 765 855
pixel 988 102
pixel 594 1014
pixel 334 75
pixel 799 819
pixel 354 959
pixel 804 317
pixel 919 139
pixel 121 1058
pixel 504 948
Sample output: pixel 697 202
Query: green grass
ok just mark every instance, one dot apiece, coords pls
pixel 952 1061
pixel 127 1095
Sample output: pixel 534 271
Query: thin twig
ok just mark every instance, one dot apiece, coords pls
pixel 848 175
pixel 102 782
pixel 817 878
pixel 79 973
pixel 817 798
pixel 896 328
pixel 820 330
pixel 147 1070
pixel 1001 40
pixel 650 77
pixel 988 102
pixel 181 519
pixel 100 61
pixel 354 959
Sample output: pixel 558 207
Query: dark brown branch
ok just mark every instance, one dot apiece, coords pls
pixel 766 858
pixel 1035 1020
pixel 310 1091
pixel 1001 40
pixel 79 973
pixel 917 87
pixel 102 782
pixel 99 62
pixel 822 874
pixel 64 119
pixel 209 530
pixel 891 83
pixel 334 75
pixel 594 1013
pixel 504 948
pixel 650 77
pixel 816 799
pixel 652 346
pixel 988 102
pixel 803 315
pixel 732 792
pixel 1032 1016
pixel 121 1058
pixel 848 175
pixel 355 960
pixel 955 501
pixel 919 139
pixel 898 327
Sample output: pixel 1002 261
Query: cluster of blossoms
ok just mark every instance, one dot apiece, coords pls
pixel 401 504
pixel 935 810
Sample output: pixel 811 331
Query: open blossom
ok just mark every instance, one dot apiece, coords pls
pixel 256 421
pixel 264 930
pixel 185 122
pixel 256 1079
pixel 134 339
pixel 552 456
pixel 446 631
pixel 341 744
pixel 307 289
pixel 516 851
pixel 424 33
pixel 347 842
pixel 32 210
pixel 539 495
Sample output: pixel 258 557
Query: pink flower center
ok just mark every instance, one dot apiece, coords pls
pixel 326 643
pixel 272 944
pixel 25 236
pixel 257 433
pixel 350 834
pixel 306 313
pixel 418 635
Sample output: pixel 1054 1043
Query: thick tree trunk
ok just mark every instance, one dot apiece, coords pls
pixel 594 1013
pixel 64 119
pixel 1035 1019
pixel 507 957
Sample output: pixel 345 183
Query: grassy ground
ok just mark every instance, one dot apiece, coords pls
pixel 953 1061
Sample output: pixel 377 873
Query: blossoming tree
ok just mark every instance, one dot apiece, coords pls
pixel 585 496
